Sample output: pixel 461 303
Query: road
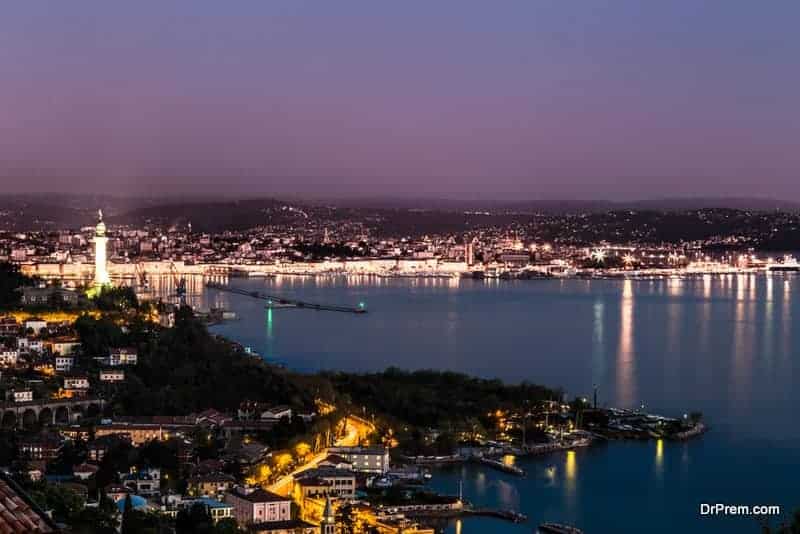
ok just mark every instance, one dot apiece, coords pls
pixel 355 430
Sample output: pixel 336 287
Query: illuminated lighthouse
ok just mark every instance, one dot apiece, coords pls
pixel 100 241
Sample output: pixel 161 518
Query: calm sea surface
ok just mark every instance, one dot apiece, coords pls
pixel 723 345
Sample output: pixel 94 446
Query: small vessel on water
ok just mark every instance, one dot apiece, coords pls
pixel 557 528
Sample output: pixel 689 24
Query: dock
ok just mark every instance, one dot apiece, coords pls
pixel 498 465
pixel 274 301
pixel 506 515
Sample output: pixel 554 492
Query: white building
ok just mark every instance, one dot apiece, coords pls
pixel 29 344
pixel 258 506
pixel 112 375
pixel 8 357
pixel 122 356
pixel 76 382
pixel 35 324
pixel 23 395
pixel 366 460
pixel 64 363
pixel 64 346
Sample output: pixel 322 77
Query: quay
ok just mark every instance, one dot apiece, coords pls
pixel 282 302
pixel 498 465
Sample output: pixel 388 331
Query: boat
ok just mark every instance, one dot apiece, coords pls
pixel 557 528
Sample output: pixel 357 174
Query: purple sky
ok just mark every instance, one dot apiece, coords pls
pixel 450 98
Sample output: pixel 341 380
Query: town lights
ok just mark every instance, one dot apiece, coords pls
pixel 599 255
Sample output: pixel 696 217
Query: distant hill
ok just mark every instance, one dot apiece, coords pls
pixel 51 212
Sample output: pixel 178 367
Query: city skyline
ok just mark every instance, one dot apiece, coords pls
pixel 542 101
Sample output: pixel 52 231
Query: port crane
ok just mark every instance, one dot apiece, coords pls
pixel 180 284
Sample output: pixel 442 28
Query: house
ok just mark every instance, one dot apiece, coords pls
pixel 64 363
pixel 100 446
pixel 249 410
pixel 8 356
pixel 145 482
pixel 76 382
pixel 365 460
pixel 44 446
pixel 212 417
pixel 326 481
pixel 115 492
pixel 84 471
pixel 255 506
pixel 28 344
pixel 46 296
pixel 36 324
pixel 136 433
pixel 20 513
pixel 210 484
pixel 216 509
pixel 276 413
pixel 64 345
pixel 112 375
pixel 22 395
pixel 9 326
pixel 122 356
pixel 335 461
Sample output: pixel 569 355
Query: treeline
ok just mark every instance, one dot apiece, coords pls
pixel 434 398
pixel 185 369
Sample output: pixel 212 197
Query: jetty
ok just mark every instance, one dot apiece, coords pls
pixel 498 465
pixel 274 301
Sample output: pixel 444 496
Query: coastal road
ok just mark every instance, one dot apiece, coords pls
pixel 356 429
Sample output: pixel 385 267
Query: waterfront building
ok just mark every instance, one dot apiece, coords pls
pixel 101 277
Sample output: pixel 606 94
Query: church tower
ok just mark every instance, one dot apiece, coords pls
pixel 101 277
pixel 328 525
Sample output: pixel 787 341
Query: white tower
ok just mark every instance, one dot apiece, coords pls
pixel 328 525
pixel 100 242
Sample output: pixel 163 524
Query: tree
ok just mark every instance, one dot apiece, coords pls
pixel 11 280
pixel 227 526
pixel 128 521
pixel 195 519
pixel 112 298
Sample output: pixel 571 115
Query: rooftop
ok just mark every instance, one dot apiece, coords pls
pixel 18 513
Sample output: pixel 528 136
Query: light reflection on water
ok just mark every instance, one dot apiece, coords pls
pixel 723 345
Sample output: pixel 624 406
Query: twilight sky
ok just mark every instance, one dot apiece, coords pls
pixel 524 99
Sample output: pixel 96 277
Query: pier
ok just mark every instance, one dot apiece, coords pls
pixel 274 301
pixel 498 465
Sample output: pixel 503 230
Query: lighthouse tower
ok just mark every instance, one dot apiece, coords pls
pixel 328 525
pixel 101 277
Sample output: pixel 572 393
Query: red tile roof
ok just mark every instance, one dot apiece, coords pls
pixel 18 513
